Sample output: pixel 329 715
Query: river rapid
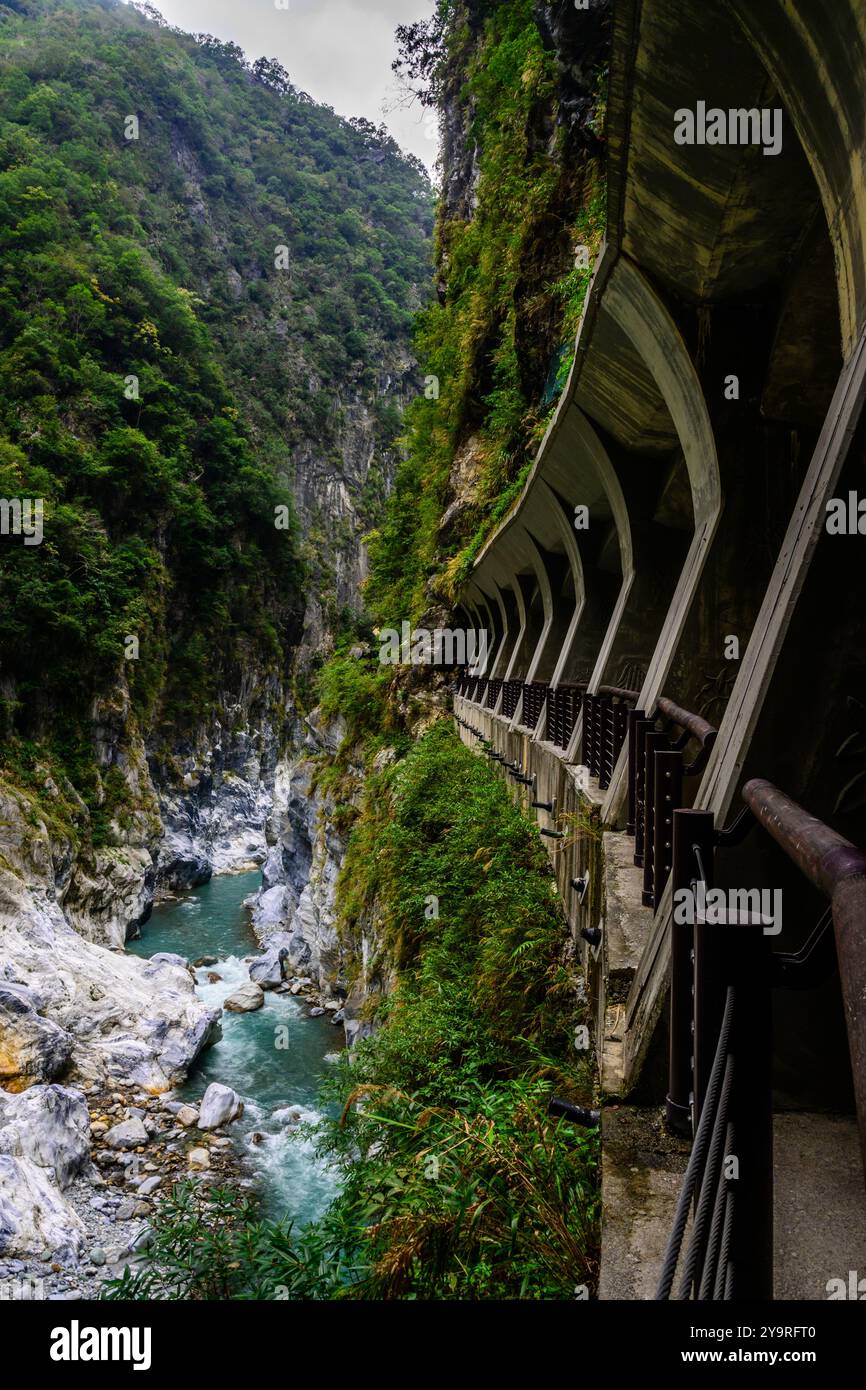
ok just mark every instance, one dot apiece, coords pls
pixel 275 1058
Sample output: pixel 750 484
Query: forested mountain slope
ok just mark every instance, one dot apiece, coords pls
pixel 205 301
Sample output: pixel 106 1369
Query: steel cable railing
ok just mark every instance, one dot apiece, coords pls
pixel 696 1164
pixel 713 1184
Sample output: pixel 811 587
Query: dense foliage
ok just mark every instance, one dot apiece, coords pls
pixel 498 343
pixel 198 267
pixel 456 1184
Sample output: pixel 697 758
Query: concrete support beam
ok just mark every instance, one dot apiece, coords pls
pixel 643 317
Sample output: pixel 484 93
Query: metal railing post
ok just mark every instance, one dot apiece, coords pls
pixel 586 746
pixel 620 733
pixel 599 728
pixel 605 743
pixel 838 869
pixel 849 927
pixel 749 964
pixel 644 728
pixel 654 743
pixel 689 828
pixel 709 965
pixel 574 700
pixel 635 716
pixel 668 796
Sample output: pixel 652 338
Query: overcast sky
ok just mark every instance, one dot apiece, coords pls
pixel 340 51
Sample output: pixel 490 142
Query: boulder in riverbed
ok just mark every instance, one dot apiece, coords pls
pixel 169 958
pixel 31 1047
pixel 220 1105
pixel 34 1216
pixel 245 1000
pixel 129 1134
pixel 288 1115
pixel 267 972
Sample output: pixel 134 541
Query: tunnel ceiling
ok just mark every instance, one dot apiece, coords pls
pixel 618 391
pixel 710 221
pixel 817 53
pixel 539 519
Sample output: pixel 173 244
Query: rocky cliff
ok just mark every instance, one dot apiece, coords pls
pixel 70 1006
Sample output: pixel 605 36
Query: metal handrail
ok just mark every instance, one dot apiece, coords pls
pixel 693 725
pixel 838 870
pixel 823 855
pixel 617 692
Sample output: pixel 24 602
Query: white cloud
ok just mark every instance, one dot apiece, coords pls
pixel 340 51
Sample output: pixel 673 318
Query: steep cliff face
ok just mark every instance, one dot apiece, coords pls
pixel 340 494
pixel 520 92
pixel 295 910
pixel 337 413
pixel 215 817
pixel 96 859
pixel 215 793
pixel 579 39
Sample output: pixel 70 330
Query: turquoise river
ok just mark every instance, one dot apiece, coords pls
pixel 276 1058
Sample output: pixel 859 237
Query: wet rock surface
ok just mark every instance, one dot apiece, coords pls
pixel 245 1000
pixel 111 1017
pixel 219 1106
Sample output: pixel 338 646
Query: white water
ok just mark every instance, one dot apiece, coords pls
pixel 274 1058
